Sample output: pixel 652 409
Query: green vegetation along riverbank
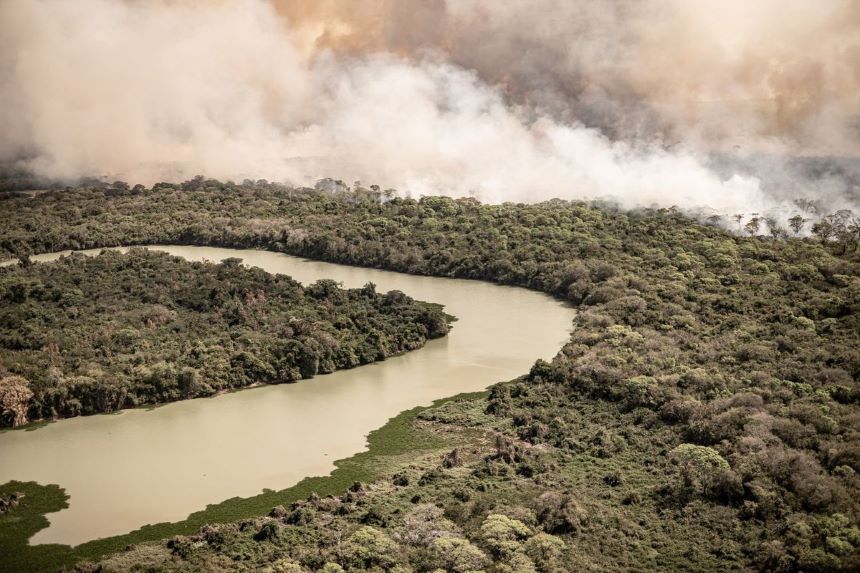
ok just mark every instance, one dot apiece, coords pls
pixel 87 335
pixel 389 447
pixel 703 416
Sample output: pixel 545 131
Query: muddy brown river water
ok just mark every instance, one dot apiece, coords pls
pixel 142 466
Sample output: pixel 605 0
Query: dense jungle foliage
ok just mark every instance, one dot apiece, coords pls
pixel 704 415
pixel 85 335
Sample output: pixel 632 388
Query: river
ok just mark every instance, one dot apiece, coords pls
pixel 143 466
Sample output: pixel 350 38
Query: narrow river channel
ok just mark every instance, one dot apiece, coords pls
pixel 142 466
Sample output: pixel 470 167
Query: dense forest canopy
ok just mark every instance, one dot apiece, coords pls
pixel 85 335
pixel 713 376
pixel 75 217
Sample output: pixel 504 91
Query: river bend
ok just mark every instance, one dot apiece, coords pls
pixel 143 466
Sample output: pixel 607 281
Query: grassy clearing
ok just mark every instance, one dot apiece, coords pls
pixel 399 437
pixel 23 521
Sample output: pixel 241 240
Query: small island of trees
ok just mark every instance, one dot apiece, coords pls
pixel 87 335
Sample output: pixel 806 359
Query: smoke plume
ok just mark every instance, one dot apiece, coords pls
pixel 697 103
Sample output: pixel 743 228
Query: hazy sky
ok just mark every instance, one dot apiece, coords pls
pixel 521 99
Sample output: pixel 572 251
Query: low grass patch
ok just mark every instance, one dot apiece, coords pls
pixel 22 521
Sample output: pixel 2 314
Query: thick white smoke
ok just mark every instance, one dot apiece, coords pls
pixel 148 91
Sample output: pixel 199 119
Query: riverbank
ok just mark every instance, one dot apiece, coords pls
pixel 388 447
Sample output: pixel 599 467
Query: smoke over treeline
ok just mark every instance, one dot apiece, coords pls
pixel 698 103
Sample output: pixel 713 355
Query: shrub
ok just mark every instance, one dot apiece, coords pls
pixel 369 547
pixel 503 535
pixel 458 555
pixel 15 396
pixel 545 551
pixel 268 532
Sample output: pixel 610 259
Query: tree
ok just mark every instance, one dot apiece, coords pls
pixel 701 466
pixel 268 532
pixel 545 551
pixel 796 223
pixel 809 206
pixel 775 230
pixel 232 262
pixel 753 226
pixel 847 230
pixel 459 555
pixel 842 226
pixel 15 396
pixel 824 229
pixel 287 565
pixel 503 535
pixel 369 547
